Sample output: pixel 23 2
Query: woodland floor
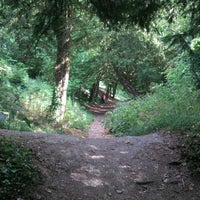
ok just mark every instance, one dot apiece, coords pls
pixel 102 167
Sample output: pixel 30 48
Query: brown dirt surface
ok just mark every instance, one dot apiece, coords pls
pixel 97 128
pixel 101 167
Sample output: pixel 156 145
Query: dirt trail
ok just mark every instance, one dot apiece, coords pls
pixel 103 168
pixel 97 128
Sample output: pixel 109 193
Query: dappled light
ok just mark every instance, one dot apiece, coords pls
pixel 93 147
pixel 123 152
pixel 125 166
pixel 75 168
pixel 100 108
pixel 97 157
pixel 93 182
pixel 115 87
pixel 89 176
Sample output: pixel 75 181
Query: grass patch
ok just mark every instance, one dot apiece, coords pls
pixel 77 116
pixel 174 106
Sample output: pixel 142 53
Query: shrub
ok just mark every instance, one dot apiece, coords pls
pixel 174 106
pixel 77 116
pixel 191 152
pixel 18 175
pixel 14 80
pixel 37 97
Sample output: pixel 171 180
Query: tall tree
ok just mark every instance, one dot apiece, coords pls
pixel 115 12
pixel 180 27
pixel 54 17
pixel 62 29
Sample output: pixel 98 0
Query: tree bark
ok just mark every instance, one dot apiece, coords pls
pixel 126 83
pixel 62 29
pixel 114 90
pixel 94 91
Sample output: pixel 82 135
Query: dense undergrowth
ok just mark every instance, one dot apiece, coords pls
pixel 173 106
pixel 190 151
pixel 18 174
pixel 25 104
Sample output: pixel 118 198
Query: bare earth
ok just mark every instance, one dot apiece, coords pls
pixel 101 167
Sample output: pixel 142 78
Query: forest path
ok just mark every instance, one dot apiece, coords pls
pixel 101 167
pixel 97 128
pixel 122 168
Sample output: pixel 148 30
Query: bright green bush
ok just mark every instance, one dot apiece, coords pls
pixel 18 174
pixel 27 102
pixel 174 106
pixel 77 116
pixel 13 82
pixel 37 97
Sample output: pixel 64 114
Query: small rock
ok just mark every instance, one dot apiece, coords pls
pixel 38 197
pixel 165 180
pixel 191 187
pixel 127 142
pixel 119 191
pixel 49 191
pixel 110 194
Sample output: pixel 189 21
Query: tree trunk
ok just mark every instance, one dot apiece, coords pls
pixel 62 29
pixel 114 90
pixel 94 91
pixel 126 83
pixel 108 91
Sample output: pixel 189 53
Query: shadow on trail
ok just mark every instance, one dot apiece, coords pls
pixel 101 108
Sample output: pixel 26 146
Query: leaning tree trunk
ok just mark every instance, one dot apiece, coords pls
pixel 125 82
pixel 62 29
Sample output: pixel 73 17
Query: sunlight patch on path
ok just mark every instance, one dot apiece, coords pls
pixel 124 152
pixel 97 157
pixel 92 182
pixel 89 176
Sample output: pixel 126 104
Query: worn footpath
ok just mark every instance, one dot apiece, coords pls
pixel 102 167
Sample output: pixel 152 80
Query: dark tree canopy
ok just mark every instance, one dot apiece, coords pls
pixel 116 12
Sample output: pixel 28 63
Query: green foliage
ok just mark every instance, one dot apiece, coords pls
pixel 37 97
pixel 86 66
pixel 181 33
pixel 96 53
pixel 14 80
pixel 128 12
pixel 77 117
pixel 25 102
pixel 191 152
pixel 195 45
pixel 123 95
pixel 174 106
pixel 18 174
pixel 134 57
